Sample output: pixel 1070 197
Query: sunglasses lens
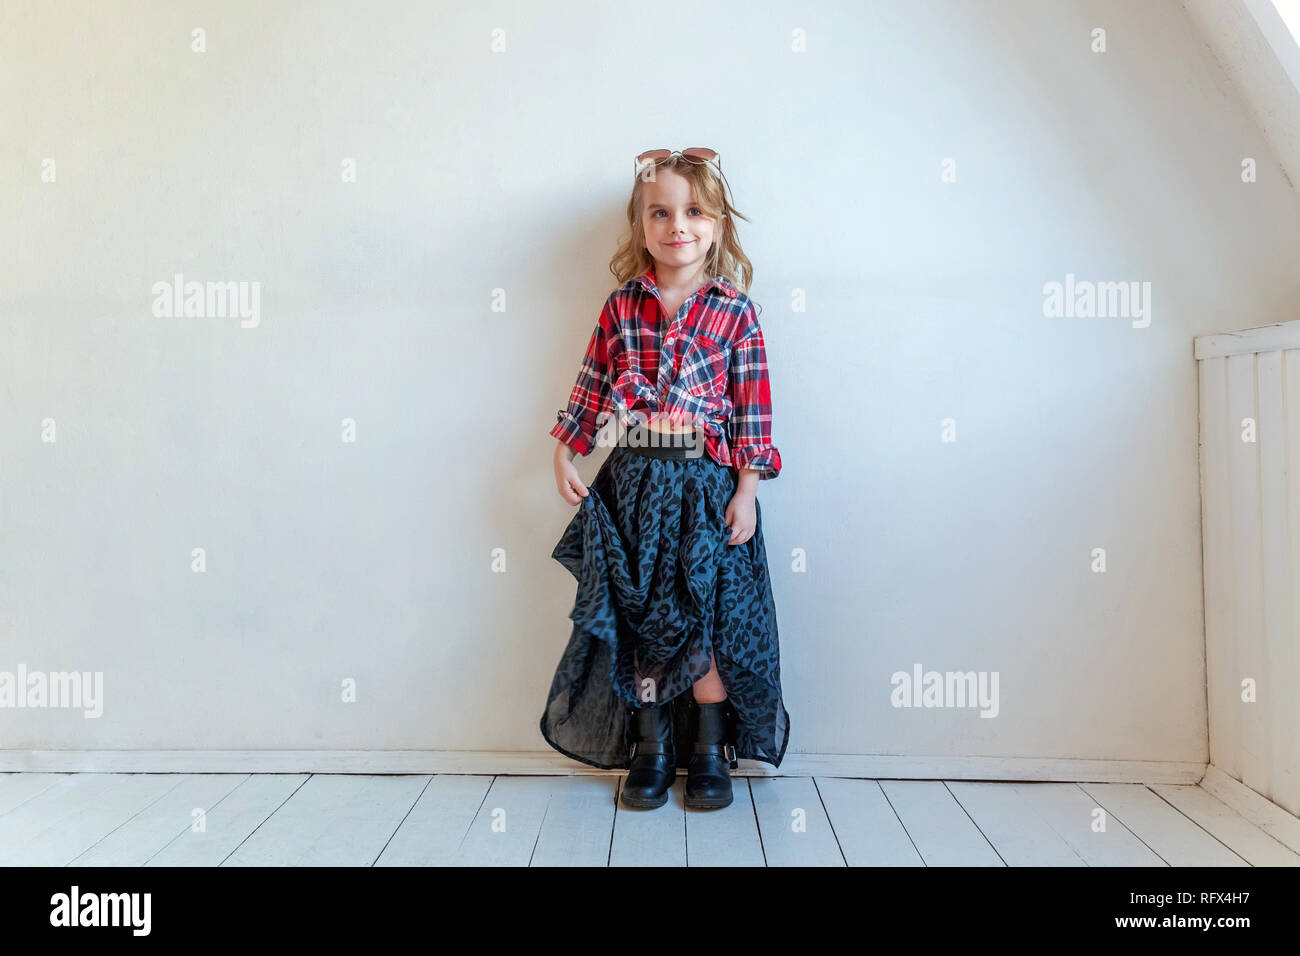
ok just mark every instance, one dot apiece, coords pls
pixel 654 156
pixel 699 154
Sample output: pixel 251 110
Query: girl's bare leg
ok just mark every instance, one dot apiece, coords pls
pixel 708 689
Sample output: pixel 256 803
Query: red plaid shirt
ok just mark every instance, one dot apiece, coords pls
pixel 707 363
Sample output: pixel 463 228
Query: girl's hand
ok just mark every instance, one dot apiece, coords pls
pixel 567 481
pixel 741 518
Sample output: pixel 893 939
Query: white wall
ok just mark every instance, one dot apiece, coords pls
pixel 480 171
pixel 1250 510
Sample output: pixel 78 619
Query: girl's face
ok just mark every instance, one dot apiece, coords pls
pixel 677 231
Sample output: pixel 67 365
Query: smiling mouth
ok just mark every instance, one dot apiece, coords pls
pixel 684 242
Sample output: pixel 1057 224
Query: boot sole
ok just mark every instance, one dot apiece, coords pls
pixel 643 803
pixel 715 803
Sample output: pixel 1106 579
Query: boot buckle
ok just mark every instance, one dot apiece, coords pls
pixel 729 752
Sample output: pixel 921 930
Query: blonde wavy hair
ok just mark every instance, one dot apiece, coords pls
pixel 725 257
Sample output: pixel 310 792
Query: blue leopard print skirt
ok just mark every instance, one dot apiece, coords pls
pixel 659 589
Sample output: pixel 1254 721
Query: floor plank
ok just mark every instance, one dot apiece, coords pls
pixel 868 829
pixel 431 834
pixel 229 822
pixel 17 788
pixel 158 824
pixel 1170 835
pixel 1074 815
pixel 1019 835
pixel 942 831
pixel 61 823
pixel 58 799
pixel 334 819
pixel 726 837
pixel 1245 839
pixel 505 829
pixel 651 837
pixel 579 824
pixel 793 823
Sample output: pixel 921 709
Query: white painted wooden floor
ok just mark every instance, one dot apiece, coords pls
pixel 118 819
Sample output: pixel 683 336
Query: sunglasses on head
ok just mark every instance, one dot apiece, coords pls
pixel 652 159
pixel 696 154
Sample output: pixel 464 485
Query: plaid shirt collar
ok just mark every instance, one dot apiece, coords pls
pixel 647 279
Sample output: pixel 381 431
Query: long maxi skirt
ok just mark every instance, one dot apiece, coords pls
pixel 658 590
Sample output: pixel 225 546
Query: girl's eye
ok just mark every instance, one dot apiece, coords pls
pixel 692 209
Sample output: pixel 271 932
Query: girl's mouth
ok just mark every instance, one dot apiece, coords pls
pixel 685 242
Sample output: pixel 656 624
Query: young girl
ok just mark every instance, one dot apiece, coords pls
pixel 673 660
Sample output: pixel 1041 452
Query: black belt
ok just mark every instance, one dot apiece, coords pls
pixel 653 444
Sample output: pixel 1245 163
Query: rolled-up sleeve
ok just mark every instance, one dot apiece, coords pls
pixel 577 424
pixel 751 399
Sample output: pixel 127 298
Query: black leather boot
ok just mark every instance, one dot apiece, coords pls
pixel 654 758
pixel 708 777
